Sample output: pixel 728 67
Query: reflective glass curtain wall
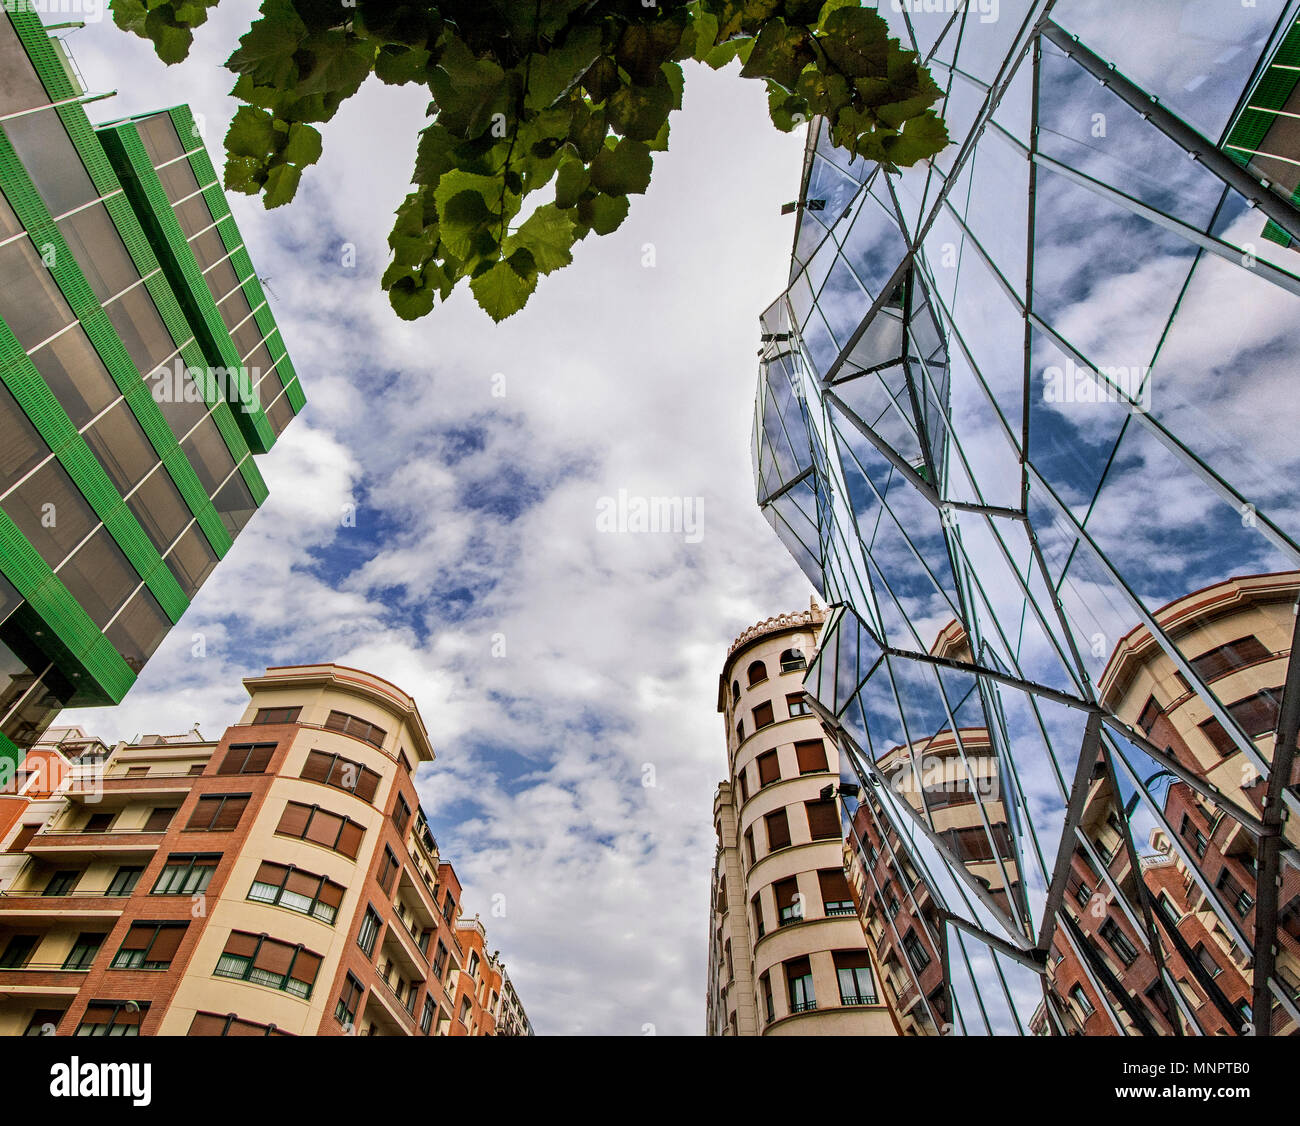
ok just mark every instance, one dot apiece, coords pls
pixel 1026 418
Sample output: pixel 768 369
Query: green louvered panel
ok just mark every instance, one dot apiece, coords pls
pixel 147 195
pixel 10 753
pixel 99 329
pixel 52 601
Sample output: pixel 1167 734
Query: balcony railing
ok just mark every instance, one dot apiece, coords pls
pixel 840 909
pixel 858 999
pixel 803 1006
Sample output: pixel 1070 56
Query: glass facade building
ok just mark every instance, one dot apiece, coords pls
pixel 1027 420
pixel 141 371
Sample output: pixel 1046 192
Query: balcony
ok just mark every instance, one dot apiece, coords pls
pixel 391 1015
pixel 57 845
pixel 155 784
pixel 21 907
pixel 41 981
pixel 803 1007
pixel 400 948
pixel 853 999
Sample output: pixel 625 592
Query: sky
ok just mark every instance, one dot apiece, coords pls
pixel 434 519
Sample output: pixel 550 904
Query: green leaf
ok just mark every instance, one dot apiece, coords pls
pixel 453 183
pixel 501 292
pixel 266 51
pixel 570 183
pixel 251 133
pixel 467 90
pixel 281 184
pixel 856 41
pixel 623 170
pixel 639 112
pixel 553 73
pixel 171 43
pixel 129 15
pixel 462 221
pixel 780 53
pixel 303 146
pixel 603 214
pixel 921 138
pixel 548 235
pixel 397 65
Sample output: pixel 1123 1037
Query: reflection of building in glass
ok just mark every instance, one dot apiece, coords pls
pixel 1039 387
pixel 141 371
pixel 280 880
pixel 786 952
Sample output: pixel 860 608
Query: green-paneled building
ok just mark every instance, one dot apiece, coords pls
pixel 141 371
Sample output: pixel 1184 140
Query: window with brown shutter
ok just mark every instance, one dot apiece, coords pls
pixel 1257 715
pixel 159 819
pixel 769 770
pixel 298 890
pixel 750 855
pixel 311 823
pixel 811 755
pixel 387 870
pixel 797 705
pixel 247 758
pixel 789 907
pixel 113 1018
pixel 1226 658
pixel 743 778
pixel 823 820
pixel 763 716
pixel 757 673
pixel 401 814
pixel 149 946
pixel 277 715
pixel 266 961
pixel 214 1024
pixel 218 813
pixel 356 727
pixel 836 897
pixel 341 773
pixel 778 830
pixel 1151 712
pixel 99 823
pixel 345 1010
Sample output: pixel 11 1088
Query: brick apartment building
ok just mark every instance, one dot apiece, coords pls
pixel 281 880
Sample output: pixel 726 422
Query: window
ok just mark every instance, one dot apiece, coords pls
pixel 798 977
pixel 159 819
pixel 359 728
pixel 1256 715
pixel 401 814
pixel 439 960
pixel 749 846
pixel 778 830
pixel 62 882
pixel 769 770
pixel 743 779
pixel 1083 894
pixel 214 1024
pixel 472 968
pixel 186 874
pixel 792 660
pixel 1119 942
pixel 735 691
pixel 1190 833
pixel 757 673
pixel 426 1015
pixel 286 886
pixel 341 773
pixel 113 1018
pixel 1224 659
pixel 853 969
pixel 43 1022
pixel 99 823
pixel 811 756
pixel 1080 998
pixel 740 731
pixel 264 961
pixel 768 1007
pixel 1208 964
pixel 149 946
pixel 789 903
pixel 218 813
pixel 124 880
pixel 247 758
pixel 836 897
pixel 823 819
pixel 449 908
pixel 311 823
pixel 756 904
pixel 18 951
pixel 83 951
pixel 763 716
pixel 387 870
pixel 915 950
pixel 369 931
pixel 797 705
pixel 1150 713
pixel 345 1011
pixel 277 715
pixel 1242 901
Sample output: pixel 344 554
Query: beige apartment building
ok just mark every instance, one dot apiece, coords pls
pixel 787 955
pixel 281 880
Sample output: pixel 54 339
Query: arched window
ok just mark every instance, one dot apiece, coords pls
pixel 757 673
pixel 735 691
pixel 792 660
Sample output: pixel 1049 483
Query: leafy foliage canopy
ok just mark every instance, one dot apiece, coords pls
pixel 533 93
